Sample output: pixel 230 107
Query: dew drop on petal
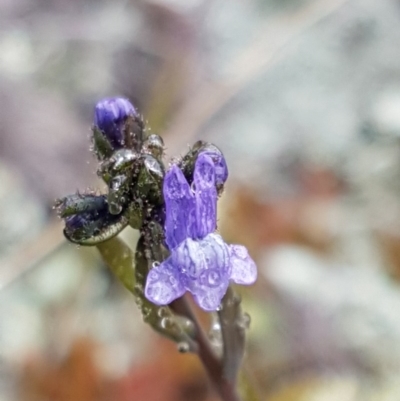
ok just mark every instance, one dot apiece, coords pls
pixel 155 276
pixel 244 270
pixel 213 278
pixel 163 284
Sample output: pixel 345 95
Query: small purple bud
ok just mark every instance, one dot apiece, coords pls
pixel 221 168
pixel 110 115
pixel 76 222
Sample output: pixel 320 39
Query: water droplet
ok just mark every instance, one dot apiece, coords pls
pixel 183 347
pixel 114 208
pixel 215 328
pixel 166 323
pixel 162 312
pixel 146 311
pixel 188 326
pixel 156 264
pixel 215 334
pixel 213 278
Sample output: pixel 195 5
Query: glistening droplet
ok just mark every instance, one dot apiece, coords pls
pixel 162 312
pixel 183 347
pixel 114 208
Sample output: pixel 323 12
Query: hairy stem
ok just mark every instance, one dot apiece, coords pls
pixel 213 365
pixel 233 332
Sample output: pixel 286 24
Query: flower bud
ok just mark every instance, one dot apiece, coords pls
pixel 221 168
pixel 87 220
pixel 93 227
pixel 110 116
pixel 200 147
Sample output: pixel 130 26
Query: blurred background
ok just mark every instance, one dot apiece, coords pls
pixel 303 97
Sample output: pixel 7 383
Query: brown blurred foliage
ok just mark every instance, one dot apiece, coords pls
pixel 164 376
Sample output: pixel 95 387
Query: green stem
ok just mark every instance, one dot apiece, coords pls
pixel 233 334
pixel 130 268
pixel 247 389
pixel 120 259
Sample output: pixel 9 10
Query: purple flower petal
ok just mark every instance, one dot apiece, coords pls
pixel 163 284
pixel 189 259
pixel 210 289
pixel 205 268
pixel 180 208
pixel 244 270
pixel 193 257
pixel 216 254
pixel 206 196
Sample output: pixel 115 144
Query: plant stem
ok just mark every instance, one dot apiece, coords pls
pixel 213 365
pixel 247 389
pixel 233 334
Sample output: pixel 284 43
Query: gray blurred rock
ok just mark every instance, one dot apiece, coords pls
pixel 314 101
pixel 21 214
pixel 337 316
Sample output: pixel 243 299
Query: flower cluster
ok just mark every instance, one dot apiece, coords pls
pixel 182 200
pixel 200 261
pixel 130 164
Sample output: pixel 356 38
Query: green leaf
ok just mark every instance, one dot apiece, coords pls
pixel 121 260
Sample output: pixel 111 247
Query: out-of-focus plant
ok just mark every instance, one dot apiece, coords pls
pixel 178 251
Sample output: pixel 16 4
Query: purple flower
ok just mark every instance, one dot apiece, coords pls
pixel 200 261
pixel 110 115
